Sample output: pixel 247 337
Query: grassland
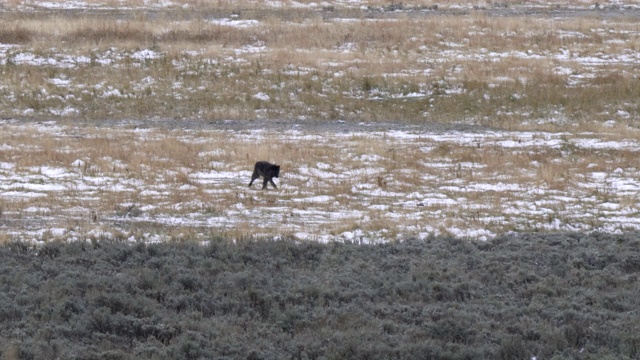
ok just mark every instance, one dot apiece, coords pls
pixel 555 83
pixel 297 60
pixel 61 182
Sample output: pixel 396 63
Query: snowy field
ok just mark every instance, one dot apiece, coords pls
pixel 362 186
pixel 553 144
pixel 494 64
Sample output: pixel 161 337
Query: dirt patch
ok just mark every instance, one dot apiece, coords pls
pixel 312 126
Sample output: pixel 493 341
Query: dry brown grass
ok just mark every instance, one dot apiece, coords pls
pixel 361 187
pixel 513 73
pixel 354 70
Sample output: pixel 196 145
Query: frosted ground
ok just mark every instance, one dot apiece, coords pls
pixel 461 183
pixel 360 185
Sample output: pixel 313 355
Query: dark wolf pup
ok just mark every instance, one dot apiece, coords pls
pixel 267 170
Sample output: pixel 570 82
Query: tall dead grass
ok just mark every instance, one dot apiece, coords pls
pixel 315 63
pixel 360 186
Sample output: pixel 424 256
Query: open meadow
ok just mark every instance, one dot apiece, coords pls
pixel 61 182
pixel 142 120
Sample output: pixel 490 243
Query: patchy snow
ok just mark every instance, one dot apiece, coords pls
pixel 235 23
pixel 60 82
pixel 576 67
pixel 345 199
pixel 146 54
pixel 316 199
pixel 261 96
pixel 359 196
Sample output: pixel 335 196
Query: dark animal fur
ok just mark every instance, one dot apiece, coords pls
pixel 267 170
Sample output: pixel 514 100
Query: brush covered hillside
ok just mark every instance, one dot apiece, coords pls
pixel 560 296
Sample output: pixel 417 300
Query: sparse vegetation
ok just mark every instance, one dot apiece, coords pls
pixel 373 62
pixel 548 296
pixel 107 182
